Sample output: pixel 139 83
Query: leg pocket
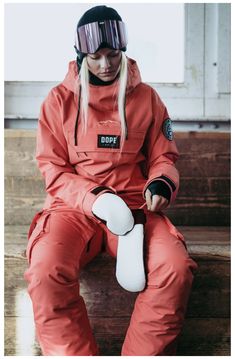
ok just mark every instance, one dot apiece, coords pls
pixel 173 230
pixel 39 226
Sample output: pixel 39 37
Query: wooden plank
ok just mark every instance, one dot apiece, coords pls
pixel 19 186
pixel 203 142
pixel 16 235
pixel 200 337
pixel 200 240
pixel 31 185
pixel 36 189
pixel 201 154
pixel 20 210
pixel 186 136
pixel 220 185
pixel 217 165
pixel 21 161
pixel 206 234
pixel 210 295
pixel 211 303
pixel 199 214
pixel 187 211
pixel 205 337
pixel 14 133
pixel 191 186
pixel 19 337
pixel 204 165
pixel 201 135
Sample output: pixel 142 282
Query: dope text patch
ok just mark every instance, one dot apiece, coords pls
pixel 108 141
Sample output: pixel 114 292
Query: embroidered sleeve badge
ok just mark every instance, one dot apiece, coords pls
pixel 167 129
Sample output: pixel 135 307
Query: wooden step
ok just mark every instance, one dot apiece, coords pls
pixel 207 326
pixel 206 330
pixel 213 241
pixel 204 166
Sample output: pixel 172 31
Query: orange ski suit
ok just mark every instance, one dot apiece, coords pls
pixel 66 235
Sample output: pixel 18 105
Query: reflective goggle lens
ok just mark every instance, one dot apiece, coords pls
pixel 90 36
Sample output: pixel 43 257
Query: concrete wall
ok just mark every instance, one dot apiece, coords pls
pixel 202 102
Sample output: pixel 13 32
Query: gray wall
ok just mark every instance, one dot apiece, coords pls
pixel 202 102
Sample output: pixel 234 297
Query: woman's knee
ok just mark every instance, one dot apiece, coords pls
pixel 50 265
pixel 170 265
pixel 180 271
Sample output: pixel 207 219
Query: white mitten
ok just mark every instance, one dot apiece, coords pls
pixel 130 271
pixel 115 212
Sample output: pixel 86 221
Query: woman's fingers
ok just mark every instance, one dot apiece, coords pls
pixel 148 197
pixel 155 202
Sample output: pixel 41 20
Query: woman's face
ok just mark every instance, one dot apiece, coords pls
pixel 105 63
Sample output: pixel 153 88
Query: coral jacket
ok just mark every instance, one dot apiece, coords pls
pixel 76 173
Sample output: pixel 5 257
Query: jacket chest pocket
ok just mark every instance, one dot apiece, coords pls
pixel 104 144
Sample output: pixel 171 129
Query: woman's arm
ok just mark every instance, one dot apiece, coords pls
pixel 161 152
pixel 52 156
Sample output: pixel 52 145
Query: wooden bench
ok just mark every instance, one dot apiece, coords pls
pixel 204 166
pixel 202 214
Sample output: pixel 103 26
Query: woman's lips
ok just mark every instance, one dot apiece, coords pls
pixel 107 73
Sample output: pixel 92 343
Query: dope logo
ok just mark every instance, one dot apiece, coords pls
pixel 108 141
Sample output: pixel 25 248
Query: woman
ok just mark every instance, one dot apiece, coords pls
pixel 105 148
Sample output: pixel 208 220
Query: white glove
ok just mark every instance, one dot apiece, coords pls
pixel 130 271
pixel 115 212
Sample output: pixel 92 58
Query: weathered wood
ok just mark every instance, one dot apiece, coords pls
pixel 210 294
pixel 189 187
pixel 207 325
pixel 203 199
pixel 24 186
pixel 22 163
pixel 205 337
pixel 207 154
pixel 204 165
pixel 200 337
pixel 200 240
pixel 200 214
pixel 200 166
pixel 189 211
pixel 20 210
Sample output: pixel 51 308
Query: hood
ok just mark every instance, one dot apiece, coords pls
pixel 102 95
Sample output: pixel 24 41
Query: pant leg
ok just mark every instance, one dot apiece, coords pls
pixel 55 250
pixel 159 310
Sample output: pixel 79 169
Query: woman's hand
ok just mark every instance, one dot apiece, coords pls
pixel 155 202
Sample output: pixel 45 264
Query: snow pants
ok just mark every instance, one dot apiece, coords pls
pixel 61 242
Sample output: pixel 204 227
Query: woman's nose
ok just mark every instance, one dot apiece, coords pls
pixel 104 62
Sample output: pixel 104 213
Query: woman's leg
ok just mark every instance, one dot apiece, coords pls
pixel 159 310
pixel 55 250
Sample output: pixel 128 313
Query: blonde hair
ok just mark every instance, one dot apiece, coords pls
pixel 121 99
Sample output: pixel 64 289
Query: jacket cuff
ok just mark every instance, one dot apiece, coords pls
pixel 161 188
pixel 171 187
pixel 91 196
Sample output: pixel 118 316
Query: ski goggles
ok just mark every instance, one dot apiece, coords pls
pixel 89 37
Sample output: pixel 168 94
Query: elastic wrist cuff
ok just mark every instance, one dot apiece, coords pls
pixel 161 188
pixel 97 190
pixel 92 195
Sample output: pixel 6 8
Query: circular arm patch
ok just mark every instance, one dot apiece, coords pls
pixel 167 129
